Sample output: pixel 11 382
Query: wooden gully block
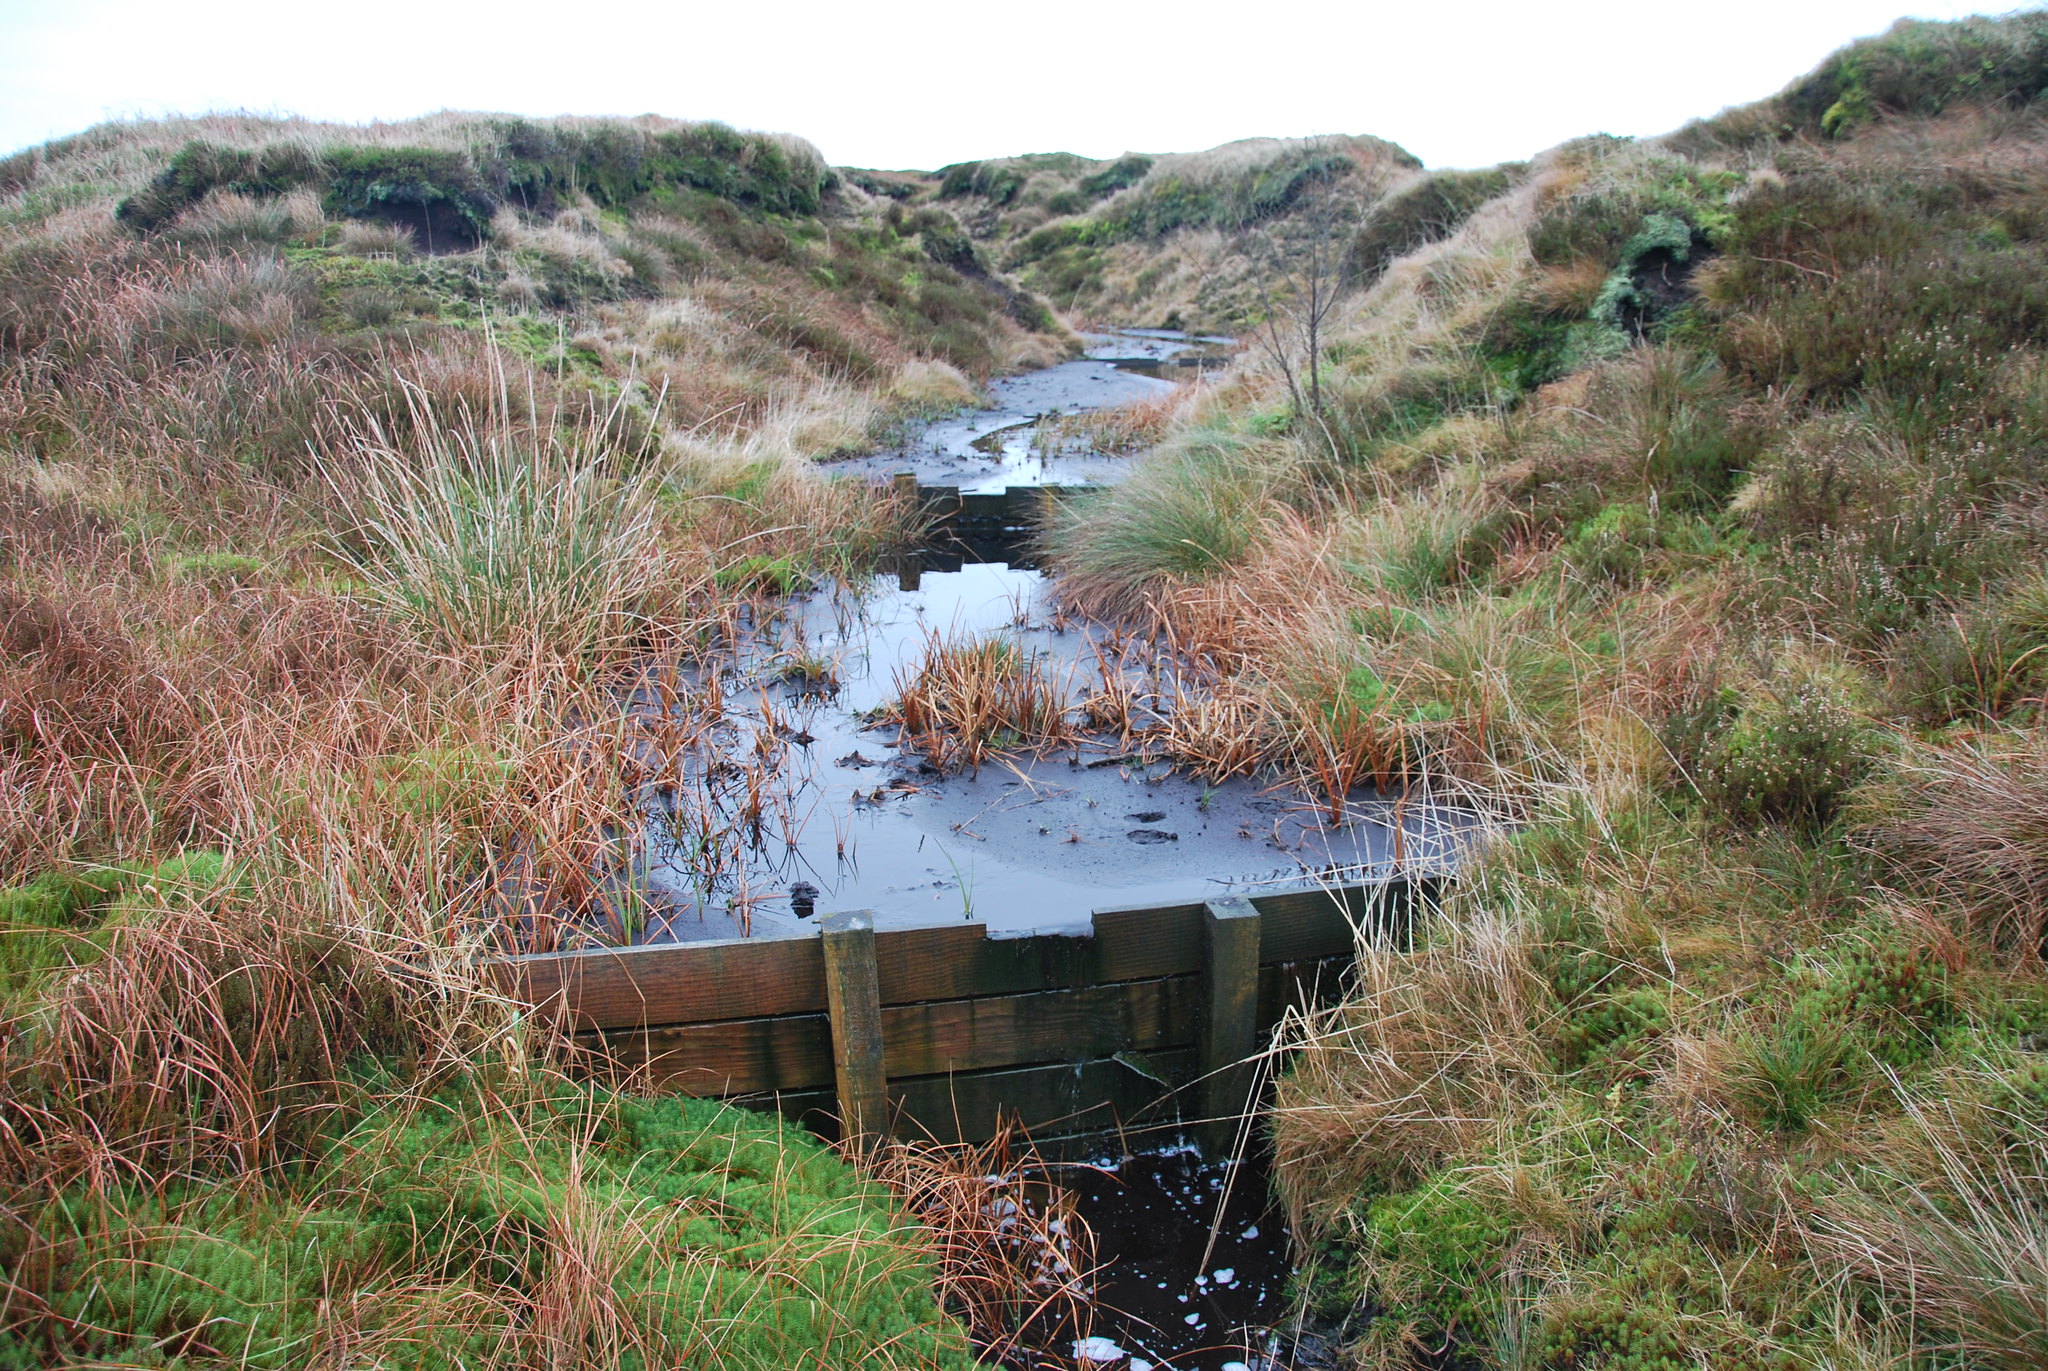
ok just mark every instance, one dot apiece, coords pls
pixel 854 998
pixel 1229 1035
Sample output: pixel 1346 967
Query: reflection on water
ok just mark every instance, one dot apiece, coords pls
pixel 794 784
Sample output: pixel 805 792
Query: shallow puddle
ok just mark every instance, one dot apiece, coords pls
pixel 845 817
pixel 786 797
pixel 981 451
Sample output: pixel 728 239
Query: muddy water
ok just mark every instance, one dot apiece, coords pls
pixel 1194 1262
pixel 1026 843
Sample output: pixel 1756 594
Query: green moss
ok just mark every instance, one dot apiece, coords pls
pixel 58 919
pixel 443 783
pixel 718 1235
pixel 1613 1335
pixel 761 572
pixel 217 568
pixel 1608 1025
pixel 1895 998
pixel 1432 1259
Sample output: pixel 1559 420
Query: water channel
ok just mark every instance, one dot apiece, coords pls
pixel 808 804
pixel 801 802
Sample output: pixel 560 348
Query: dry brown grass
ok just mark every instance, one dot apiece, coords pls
pixel 968 699
pixel 1016 1260
pixel 1967 824
pixel 1119 429
pixel 1435 1052
pixel 1959 1238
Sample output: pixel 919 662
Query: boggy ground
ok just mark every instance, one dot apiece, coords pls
pixel 1722 583
pixel 961 750
pixel 318 537
pixel 1725 581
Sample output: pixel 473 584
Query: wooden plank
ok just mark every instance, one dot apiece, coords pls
pixel 745 978
pixel 1049 1101
pixel 1292 984
pixel 1305 924
pixel 795 1052
pixel 854 996
pixel 681 983
pixel 1228 1037
pixel 735 1057
pixel 955 961
pixel 1047 1026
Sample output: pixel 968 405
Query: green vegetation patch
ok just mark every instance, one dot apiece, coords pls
pixel 1923 68
pixel 449 194
pixel 1428 211
pixel 465 1231
pixel 60 919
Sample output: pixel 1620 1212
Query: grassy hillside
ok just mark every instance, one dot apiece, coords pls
pixel 1678 502
pixel 341 471
pixel 1175 240
pixel 1682 506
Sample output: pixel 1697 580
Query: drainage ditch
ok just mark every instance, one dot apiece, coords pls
pixel 791 794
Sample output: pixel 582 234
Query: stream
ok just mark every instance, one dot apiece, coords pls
pixel 789 797
pixel 807 804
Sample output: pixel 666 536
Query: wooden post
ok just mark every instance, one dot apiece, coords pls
pixel 908 563
pixel 1230 1018
pixel 853 994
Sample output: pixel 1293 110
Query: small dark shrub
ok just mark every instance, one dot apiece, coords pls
pixel 1598 221
pixel 201 167
pixel 435 193
pixel 1792 758
pixel 1125 172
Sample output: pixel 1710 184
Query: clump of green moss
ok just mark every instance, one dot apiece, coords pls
pixel 1431 1259
pixel 675 1232
pixel 761 572
pixel 58 920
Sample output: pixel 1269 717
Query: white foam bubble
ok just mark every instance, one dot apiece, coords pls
pixel 1098 1350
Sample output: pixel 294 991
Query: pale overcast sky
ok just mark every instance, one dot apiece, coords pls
pixel 910 83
